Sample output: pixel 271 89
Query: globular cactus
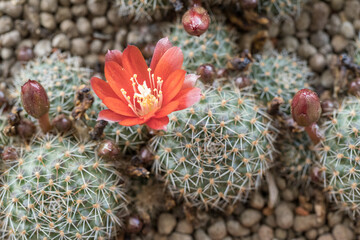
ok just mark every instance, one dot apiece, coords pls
pixel 216 151
pixel 60 75
pixel 278 75
pixel 339 155
pixel 297 156
pixel 59 189
pixel 216 46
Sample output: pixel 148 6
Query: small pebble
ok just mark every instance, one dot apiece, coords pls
pixel 236 230
pixel 317 62
pixel 319 16
pixel 306 50
pixel 47 21
pixel 326 237
pixel 347 30
pixel 79 46
pixel 83 26
pixel 180 236
pixel 61 41
pixel 185 227
pixel 201 235
pixel 342 232
pixel 166 223
pixel 42 48
pixel 319 39
pixel 217 230
pixel 284 216
pixel 257 201
pixel 339 43
pixel 6 24
pixel 10 39
pixel 250 217
pixel 266 233
pixel 352 9
pixel 280 233
pixel 303 21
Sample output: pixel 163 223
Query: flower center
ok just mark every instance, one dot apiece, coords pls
pixel 145 99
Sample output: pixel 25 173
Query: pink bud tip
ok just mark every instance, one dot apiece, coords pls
pixel 305 107
pixel 34 99
pixel 196 21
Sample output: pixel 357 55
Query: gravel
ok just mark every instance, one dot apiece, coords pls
pixel 166 223
pixel 342 232
pixel 217 230
pixel 235 229
pixel 185 227
pixel 250 217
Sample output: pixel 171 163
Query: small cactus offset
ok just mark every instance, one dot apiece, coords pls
pixel 297 157
pixel 216 151
pixel 58 189
pixel 60 75
pixel 278 75
pixel 216 46
pixel 339 155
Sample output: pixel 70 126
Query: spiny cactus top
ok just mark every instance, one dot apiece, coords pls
pixel 59 189
pixel 339 155
pixel 138 94
pixel 278 75
pixel 216 46
pixel 217 150
pixel 60 75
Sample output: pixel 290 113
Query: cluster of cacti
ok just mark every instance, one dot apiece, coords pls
pixel 280 8
pixel 59 189
pixel 217 150
pixel 339 155
pixel 297 156
pixel 60 75
pixel 216 46
pixel 142 10
pixel 278 75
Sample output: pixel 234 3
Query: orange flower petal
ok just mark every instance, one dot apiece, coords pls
pixel 109 115
pixel 114 56
pixel 118 106
pixel 190 80
pixel 188 97
pixel 158 123
pixel 134 63
pixel 166 110
pixel 172 85
pixel 101 88
pixel 161 47
pixel 169 62
pixel 132 121
pixel 118 78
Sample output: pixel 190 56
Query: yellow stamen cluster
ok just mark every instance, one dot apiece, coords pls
pixel 145 99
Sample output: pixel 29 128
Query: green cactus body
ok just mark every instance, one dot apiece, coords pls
pixel 297 156
pixel 216 151
pixel 59 189
pixel 339 155
pixel 278 75
pixel 216 46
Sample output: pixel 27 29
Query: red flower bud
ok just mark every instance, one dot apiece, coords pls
pixel 306 107
pixel 207 72
pixel 248 4
pixel 34 99
pixel 196 21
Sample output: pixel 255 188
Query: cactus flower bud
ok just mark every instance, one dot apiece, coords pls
pixel 248 4
pixel 196 21
pixel 34 99
pixel 36 103
pixel 108 150
pixel 306 107
pixel 207 73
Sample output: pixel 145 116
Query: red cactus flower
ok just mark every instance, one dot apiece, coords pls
pixel 136 94
pixel 306 107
